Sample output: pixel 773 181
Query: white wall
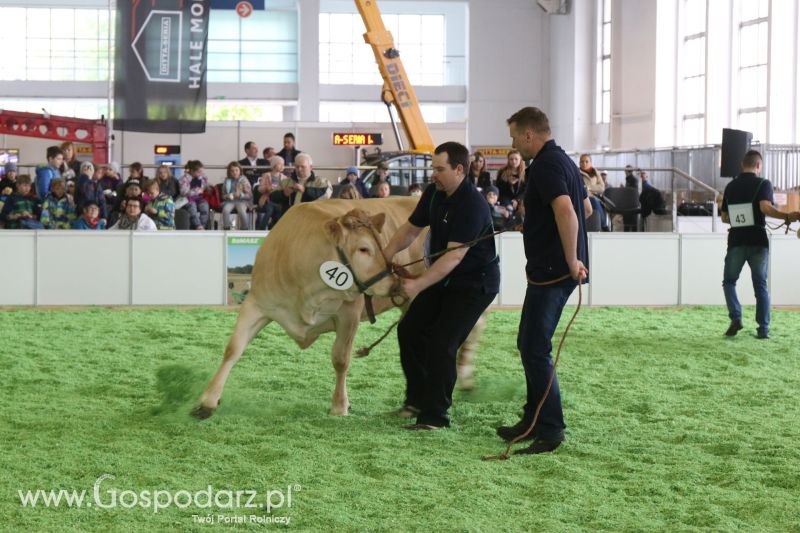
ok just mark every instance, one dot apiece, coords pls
pixel 188 268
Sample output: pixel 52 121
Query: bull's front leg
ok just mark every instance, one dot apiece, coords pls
pixel 346 324
pixel 465 362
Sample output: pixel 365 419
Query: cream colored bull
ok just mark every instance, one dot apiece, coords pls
pixel 287 287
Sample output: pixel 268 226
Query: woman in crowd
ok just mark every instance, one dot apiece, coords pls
pixel 595 186
pixel 511 181
pixel 477 171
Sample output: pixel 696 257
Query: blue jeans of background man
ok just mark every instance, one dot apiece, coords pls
pixel 758 259
pixel 540 315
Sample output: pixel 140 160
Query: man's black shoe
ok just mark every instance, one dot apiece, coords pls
pixel 539 446
pixel 762 335
pixel 734 328
pixel 509 433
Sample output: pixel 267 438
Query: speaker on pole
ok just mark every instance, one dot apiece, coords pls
pixel 735 143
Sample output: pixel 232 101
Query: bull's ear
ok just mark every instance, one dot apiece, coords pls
pixel 334 231
pixel 378 221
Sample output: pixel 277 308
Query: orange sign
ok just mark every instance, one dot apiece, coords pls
pixel 244 9
pixel 357 139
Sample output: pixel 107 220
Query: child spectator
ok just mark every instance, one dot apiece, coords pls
pixel 88 188
pixel 133 219
pixel 236 194
pixel 415 189
pixel 501 215
pixel 49 171
pixel 22 209
pixel 9 183
pixel 349 192
pixel 382 190
pixel 90 218
pixel 353 179
pixel 192 185
pixel 110 183
pixel 167 183
pixel 58 209
pixel 161 208
pixel 511 181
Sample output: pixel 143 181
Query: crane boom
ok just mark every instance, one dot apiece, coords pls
pixel 396 87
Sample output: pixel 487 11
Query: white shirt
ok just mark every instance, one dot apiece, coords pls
pixel 145 223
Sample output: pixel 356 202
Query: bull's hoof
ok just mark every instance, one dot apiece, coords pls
pixel 339 410
pixel 201 412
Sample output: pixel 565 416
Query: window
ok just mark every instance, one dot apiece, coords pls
pixel 376 112
pixel 261 48
pixel 603 102
pixel 344 57
pixel 54 44
pixel 692 86
pixel 245 110
pixel 91 108
pixel 753 60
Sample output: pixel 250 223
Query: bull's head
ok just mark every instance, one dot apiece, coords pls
pixel 357 236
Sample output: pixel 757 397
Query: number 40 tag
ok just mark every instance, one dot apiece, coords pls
pixel 336 275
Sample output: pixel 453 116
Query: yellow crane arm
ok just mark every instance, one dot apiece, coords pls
pixel 395 80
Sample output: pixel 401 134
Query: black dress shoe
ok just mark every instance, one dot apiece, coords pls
pixel 734 328
pixel 421 427
pixel 539 446
pixel 509 433
pixel 762 335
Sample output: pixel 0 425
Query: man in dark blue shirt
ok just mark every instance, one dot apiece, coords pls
pixel 556 247
pixel 450 296
pixel 745 204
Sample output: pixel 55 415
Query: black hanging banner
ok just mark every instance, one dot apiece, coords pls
pixel 160 66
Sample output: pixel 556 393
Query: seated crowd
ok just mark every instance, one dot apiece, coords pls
pixel 253 193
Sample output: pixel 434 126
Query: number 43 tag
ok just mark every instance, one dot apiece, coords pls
pixel 336 275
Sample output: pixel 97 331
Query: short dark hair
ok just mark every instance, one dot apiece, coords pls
pixel 751 159
pixel 134 199
pixel 136 166
pixel 289 135
pixel 247 145
pixel 530 117
pixel 53 151
pixel 457 154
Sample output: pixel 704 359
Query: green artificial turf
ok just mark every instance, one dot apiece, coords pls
pixel 671 427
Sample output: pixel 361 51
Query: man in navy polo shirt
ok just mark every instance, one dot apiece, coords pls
pixel 556 247
pixel 450 296
pixel 746 201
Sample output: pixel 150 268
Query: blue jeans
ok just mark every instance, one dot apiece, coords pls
pixel 540 315
pixel 758 259
pixel 598 206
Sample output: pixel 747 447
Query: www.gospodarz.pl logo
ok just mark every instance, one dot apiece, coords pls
pixel 155 500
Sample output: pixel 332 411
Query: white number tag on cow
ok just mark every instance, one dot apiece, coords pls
pixel 336 275
pixel 741 215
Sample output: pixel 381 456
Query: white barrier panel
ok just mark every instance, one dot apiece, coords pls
pixel 83 268
pixel 784 267
pixel 171 268
pixel 634 268
pixel 19 268
pixel 702 263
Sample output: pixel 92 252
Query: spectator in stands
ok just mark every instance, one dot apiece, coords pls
pixel 133 219
pixel 308 187
pixel 135 173
pixel 595 186
pixel 415 189
pixel 237 194
pixel 47 172
pixel 268 153
pixel 630 179
pixel 133 189
pixel 501 215
pixel 22 209
pixel 348 191
pixel 110 182
pixel 262 194
pixel 281 200
pixel 511 181
pixel 381 175
pixel 383 190
pixel 650 199
pixel 192 185
pixel 58 208
pixel 71 187
pixel 289 153
pixel 604 177
pixel 276 170
pixel 352 178
pixel 9 182
pixel 477 171
pixel 90 218
pixel 71 167
pixel 161 207
pixel 251 161
pixel 88 189
pixel 167 183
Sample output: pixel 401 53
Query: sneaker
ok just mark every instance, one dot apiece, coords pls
pixel 734 328
pixel 407 411
pixel 509 433
pixel 539 446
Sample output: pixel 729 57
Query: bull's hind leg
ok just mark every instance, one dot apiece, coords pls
pixel 346 323
pixel 465 362
pixel 251 320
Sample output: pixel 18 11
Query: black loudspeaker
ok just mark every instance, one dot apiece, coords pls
pixel 735 143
